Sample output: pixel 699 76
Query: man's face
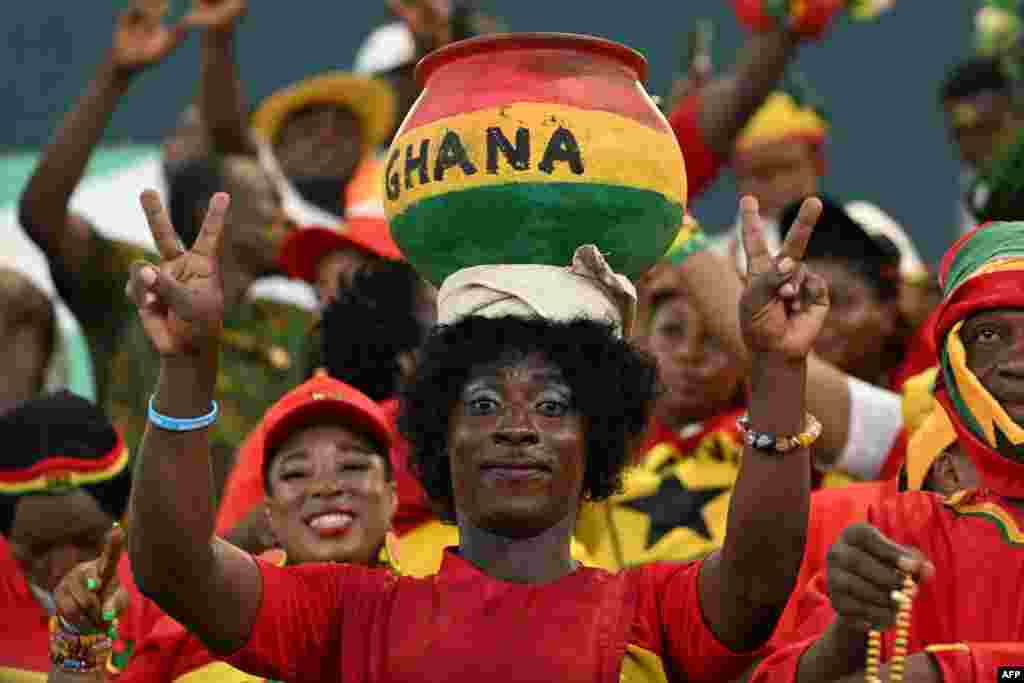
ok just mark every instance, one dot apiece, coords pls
pixel 320 142
pixel 980 126
pixel 256 220
pixel 994 341
pixel 778 174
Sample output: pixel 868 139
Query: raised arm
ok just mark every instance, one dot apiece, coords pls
pixel 205 583
pixel 745 587
pixel 222 103
pixel 728 102
pixel 140 41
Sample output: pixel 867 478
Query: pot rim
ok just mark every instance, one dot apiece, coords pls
pixel 626 56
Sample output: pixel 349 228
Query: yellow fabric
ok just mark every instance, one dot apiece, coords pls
pixel 779 118
pixel 617 151
pixel 8 675
pixel 67 479
pixel 218 672
pixel 423 547
pixel 642 666
pixel 371 100
pixel 926 444
pixel 918 400
pixel 985 409
pixel 989 511
pixel 616 533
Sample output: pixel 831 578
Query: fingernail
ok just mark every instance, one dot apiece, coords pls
pixel 148 276
pixel 907 564
pixel 109 614
pixel 898 597
pixel 786 265
pixel 91 584
pixel 112 632
pixel 786 290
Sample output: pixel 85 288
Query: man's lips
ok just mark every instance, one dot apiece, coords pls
pixel 516 470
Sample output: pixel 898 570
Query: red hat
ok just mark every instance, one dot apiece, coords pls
pixel 302 249
pixel 324 398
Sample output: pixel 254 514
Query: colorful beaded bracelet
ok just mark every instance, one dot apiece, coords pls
pixel 763 441
pixel 76 652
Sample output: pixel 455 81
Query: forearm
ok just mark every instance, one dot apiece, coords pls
pixel 838 653
pixel 221 100
pixel 172 503
pixel 730 101
pixel 748 585
pixel 44 203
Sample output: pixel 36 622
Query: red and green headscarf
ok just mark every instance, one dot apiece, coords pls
pixel 984 270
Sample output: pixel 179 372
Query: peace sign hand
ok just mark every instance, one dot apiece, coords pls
pixel 141 39
pixel 89 597
pixel 784 304
pixel 181 300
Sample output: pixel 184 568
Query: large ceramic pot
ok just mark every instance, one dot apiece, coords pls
pixel 523 147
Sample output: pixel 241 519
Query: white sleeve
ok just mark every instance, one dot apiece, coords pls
pixel 876 416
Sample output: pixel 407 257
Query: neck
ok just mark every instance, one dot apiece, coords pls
pixel 538 559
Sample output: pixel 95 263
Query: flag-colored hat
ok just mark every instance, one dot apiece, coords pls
pixel 58 443
pixel 371 100
pixel 781 118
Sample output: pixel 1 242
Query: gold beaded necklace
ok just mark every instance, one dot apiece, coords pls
pixel 899 652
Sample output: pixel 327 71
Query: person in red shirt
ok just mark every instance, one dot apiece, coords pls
pixel 513 420
pixel 955 634
pixel 330 498
pixel 64 480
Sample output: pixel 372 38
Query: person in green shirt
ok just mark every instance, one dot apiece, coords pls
pixel 263 342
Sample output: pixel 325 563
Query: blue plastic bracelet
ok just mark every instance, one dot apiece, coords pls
pixel 177 424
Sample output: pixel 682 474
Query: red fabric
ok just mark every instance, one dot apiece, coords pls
pixel 24 626
pixel 347 623
pixel 896 457
pixel 980 663
pixel 660 434
pixel 244 488
pixel 996 473
pixel 812 20
pixel 702 163
pixel 920 352
pixel 988 609
pixel 832 510
pixel 982 292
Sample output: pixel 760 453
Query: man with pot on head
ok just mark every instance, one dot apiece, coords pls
pixel 955 634
pixel 330 497
pixel 263 341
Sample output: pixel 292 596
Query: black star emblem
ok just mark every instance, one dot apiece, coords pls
pixel 672 506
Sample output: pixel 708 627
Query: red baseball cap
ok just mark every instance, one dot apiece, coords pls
pixel 325 398
pixel 302 249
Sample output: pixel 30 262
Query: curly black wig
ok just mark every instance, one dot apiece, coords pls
pixel 612 383
pixel 369 325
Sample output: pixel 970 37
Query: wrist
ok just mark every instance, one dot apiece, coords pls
pixel 78 653
pixel 116 77
pixel 774 377
pixel 218 37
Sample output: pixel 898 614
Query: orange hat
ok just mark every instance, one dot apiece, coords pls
pixel 302 249
pixel 324 398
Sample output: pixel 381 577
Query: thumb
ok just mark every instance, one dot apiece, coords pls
pixel 150 286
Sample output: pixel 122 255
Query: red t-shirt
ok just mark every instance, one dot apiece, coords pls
pixel 24 624
pixel 972 609
pixel 345 623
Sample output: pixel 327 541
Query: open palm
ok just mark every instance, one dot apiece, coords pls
pixel 216 15
pixel 141 38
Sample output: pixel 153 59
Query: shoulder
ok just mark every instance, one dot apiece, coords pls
pixel 909 514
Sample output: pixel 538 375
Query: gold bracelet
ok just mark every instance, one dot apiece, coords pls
pixel 763 441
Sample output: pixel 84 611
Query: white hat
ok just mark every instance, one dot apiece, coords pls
pixel 386 48
pixel 877 222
